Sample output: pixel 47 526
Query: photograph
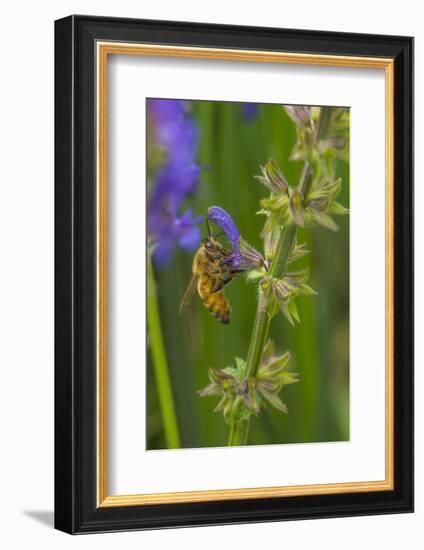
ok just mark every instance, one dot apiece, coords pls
pixel 247 261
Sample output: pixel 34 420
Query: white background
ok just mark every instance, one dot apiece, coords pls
pixel 131 80
pixel 26 289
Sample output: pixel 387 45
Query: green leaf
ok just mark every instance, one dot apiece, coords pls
pixel 307 290
pixel 293 310
pixel 275 204
pixel 273 400
pixel 262 212
pixel 241 363
pixel 298 252
pixel 275 175
pixel 274 366
pixel 289 377
pixel 286 312
pixel 296 278
pixel 219 376
pixel 254 275
pixel 337 209
pixel 222 404
pixel 232 371
pixel 240 369
pixel 325 220
pixel 268 351
pixel 271 234
pixel 211 389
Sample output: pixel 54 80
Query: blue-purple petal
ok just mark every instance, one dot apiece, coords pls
pixel 163 252
pixel 249 111
pixel 190 239
pixel 223 220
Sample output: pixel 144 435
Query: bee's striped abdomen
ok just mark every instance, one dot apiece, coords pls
pixel 215 302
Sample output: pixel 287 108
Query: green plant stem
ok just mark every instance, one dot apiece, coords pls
pixel 239 430
pixel 257 341
pixel 284 248
pixel 160 365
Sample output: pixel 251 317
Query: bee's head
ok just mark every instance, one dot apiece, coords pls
pixel 212 245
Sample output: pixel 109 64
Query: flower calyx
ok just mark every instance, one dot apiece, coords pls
pixel 245 395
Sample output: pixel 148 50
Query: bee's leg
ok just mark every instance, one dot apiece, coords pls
pixel 228 276
pixel 219 285
pixel 226 271
pixel 222 271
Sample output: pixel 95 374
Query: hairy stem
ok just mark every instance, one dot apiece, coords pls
pixel 257 341
pixel 284 248
pixel 239 431
pixel 160 365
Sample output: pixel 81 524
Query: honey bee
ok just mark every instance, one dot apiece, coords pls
pixel 210 275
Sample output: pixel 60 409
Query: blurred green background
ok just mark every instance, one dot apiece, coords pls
pixel 231 149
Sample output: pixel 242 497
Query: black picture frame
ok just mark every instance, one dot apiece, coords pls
pixel 76 510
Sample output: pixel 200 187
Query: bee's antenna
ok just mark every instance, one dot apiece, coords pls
pixel 208 226
pixel 210 232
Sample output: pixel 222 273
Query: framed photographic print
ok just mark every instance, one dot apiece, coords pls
pixel 234 269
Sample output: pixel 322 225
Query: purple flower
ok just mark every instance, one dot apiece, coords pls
pixel 175 132
pixel 223 220
pixel 170 232
pixel 248 111
pixel 173 128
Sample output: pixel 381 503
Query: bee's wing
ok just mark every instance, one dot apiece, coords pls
pixel 188 294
